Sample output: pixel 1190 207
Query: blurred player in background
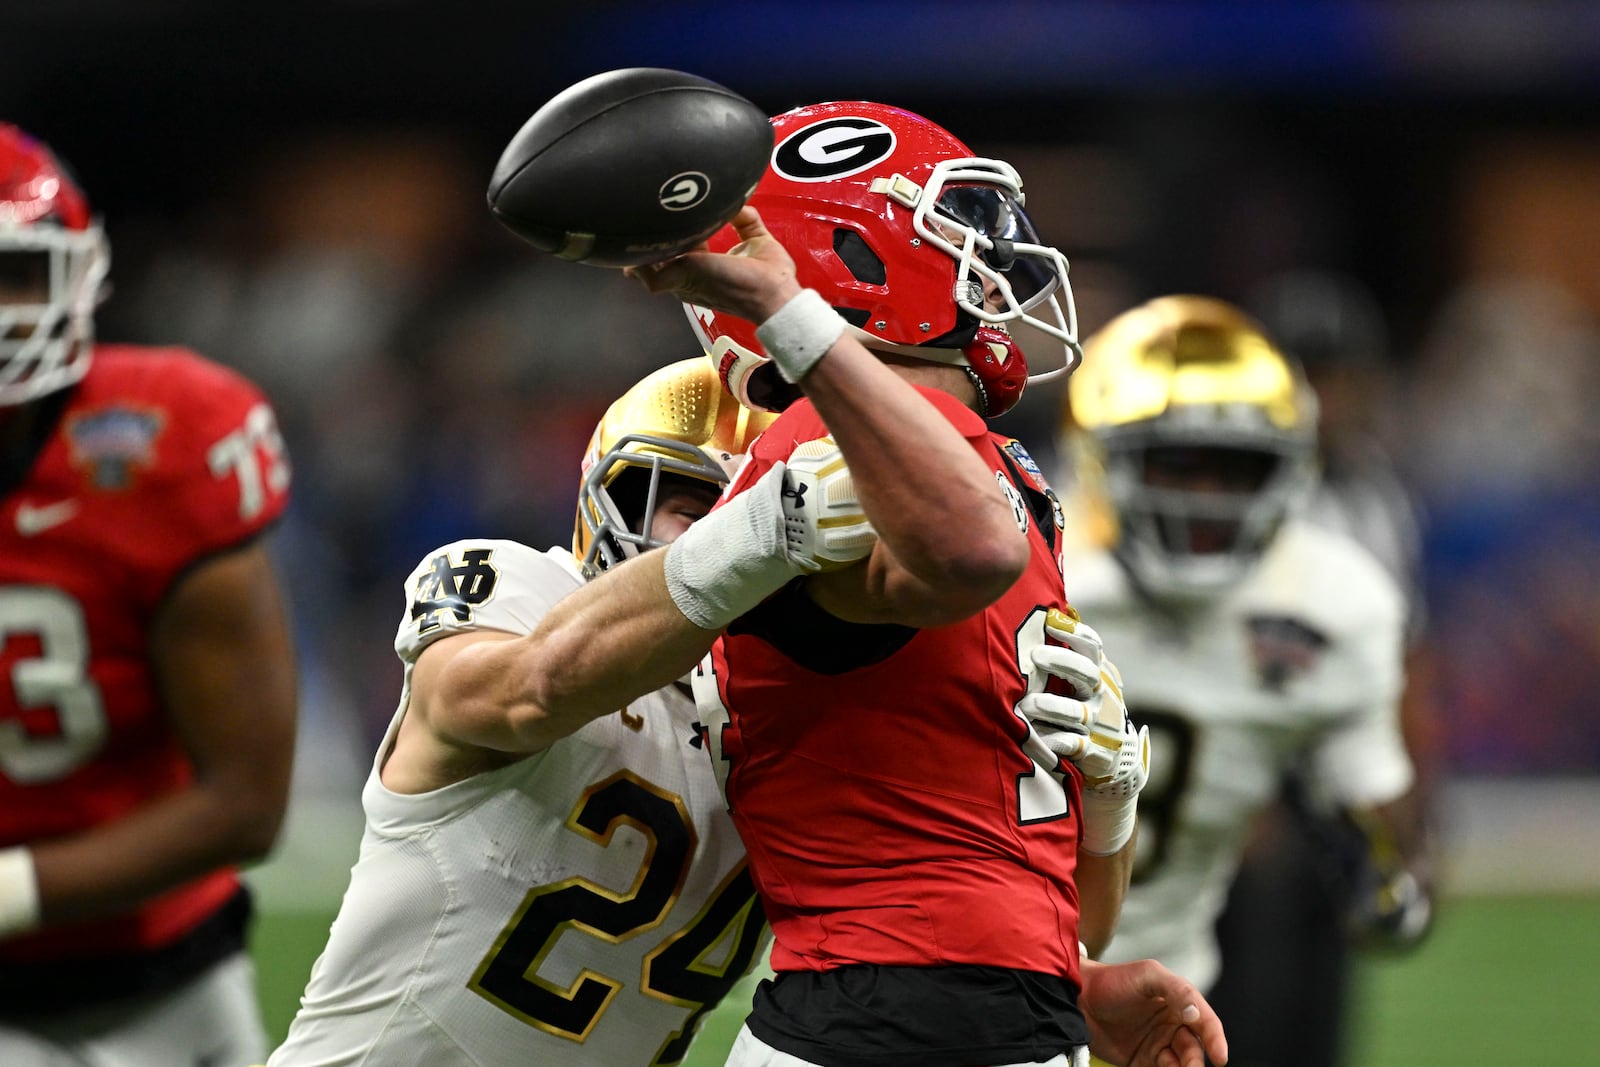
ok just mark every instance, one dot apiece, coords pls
pixel 545 878
pixel 922 854
pixel 1286 908
pixel 147 680
pixel 1257 646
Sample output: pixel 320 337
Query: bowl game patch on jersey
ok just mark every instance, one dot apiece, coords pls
pixel 112 442
pixel 1282 647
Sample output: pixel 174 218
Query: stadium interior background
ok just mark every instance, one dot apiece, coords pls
pixel 299 192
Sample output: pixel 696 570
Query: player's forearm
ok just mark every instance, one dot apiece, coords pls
pixel 159 847
pixel 603 646
pixel 880 590
pixel 1102 885
pixel 937 509
pixel 933 501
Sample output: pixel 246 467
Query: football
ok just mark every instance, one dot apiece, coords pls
pixel 631 166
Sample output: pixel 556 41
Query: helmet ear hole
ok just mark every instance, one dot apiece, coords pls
pixel 858 257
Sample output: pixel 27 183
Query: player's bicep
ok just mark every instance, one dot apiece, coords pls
pixel 880 589
pixel 225 666
pixel 454 683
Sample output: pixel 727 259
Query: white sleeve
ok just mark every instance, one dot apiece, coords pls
pixel 1360 758
pixel 1363 761
pixel 480 585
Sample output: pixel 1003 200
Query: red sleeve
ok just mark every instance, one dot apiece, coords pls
pixel 216 473
pixel 231 471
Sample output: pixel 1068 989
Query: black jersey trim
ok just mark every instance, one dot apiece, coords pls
pixel 796 625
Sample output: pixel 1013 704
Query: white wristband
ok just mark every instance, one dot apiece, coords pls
pixel 734 558
pixel 1108 822
pixel 19 892
pixel 798 334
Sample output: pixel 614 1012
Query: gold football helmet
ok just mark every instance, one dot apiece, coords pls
pixel 677 422
pixel 1196 435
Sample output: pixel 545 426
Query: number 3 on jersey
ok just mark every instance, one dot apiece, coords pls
pixel 52 719
pixel 254 454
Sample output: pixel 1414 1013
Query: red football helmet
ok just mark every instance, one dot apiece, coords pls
pixel 53 261
pixel 922 247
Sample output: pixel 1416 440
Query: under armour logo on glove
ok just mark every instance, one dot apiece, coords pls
pixel 836 532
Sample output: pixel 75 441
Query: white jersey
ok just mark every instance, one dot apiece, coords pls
pixel 582 906
pixel 1300 666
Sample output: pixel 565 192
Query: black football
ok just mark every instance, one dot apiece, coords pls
pixel 631 166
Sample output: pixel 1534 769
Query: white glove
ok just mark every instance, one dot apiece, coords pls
pixel 1085 724
pixel 1391 912
pixel 826 526
pixel 1090 728
pixel 1111 803
pixel 798 518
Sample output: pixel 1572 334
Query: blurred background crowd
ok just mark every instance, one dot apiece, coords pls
pixel 300 194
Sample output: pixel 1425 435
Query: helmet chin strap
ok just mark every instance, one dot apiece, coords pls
pixel 977 383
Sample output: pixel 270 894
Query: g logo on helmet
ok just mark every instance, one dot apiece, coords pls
pixel 833 148
pixel 683 191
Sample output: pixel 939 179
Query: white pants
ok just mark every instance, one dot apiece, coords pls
pixel 212 1021
pixel 750 1051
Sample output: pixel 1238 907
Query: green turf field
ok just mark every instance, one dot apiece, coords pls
pixel 1510 980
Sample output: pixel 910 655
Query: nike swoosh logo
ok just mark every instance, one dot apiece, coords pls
pixel 34 520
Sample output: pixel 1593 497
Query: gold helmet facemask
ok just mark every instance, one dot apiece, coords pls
pixel 1197 434
pixel 677 422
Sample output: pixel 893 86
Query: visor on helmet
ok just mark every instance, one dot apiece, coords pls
pixel 998 217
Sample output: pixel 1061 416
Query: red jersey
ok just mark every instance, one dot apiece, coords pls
pixel 877 773
pixel 158 459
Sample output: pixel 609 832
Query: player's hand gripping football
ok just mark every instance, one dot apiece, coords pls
pixel 1089 724
pixel 752 279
